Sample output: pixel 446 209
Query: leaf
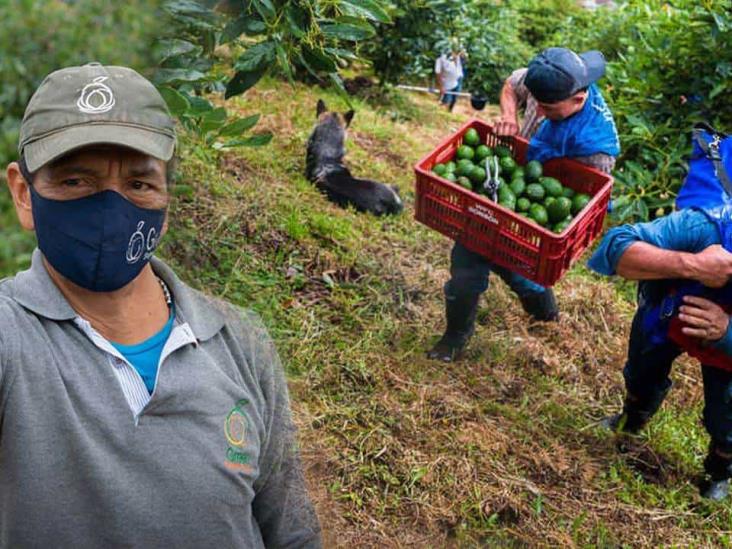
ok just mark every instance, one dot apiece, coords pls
pixel 641 210
pixel 174 47
pixel 298 20
pixel 177 76
pixel 337 82
pixel 208 40
pixel 176 101
pixel 318 61
pixel 188 7
pixel 304 63
pixel 719 88
pixel 257 56
pixel 258 140
pixel 355 21
pixel 284 62
pixel 239 126
pixel 242 81
pixel 342 53
pixel 719 22
pixel 265 9
pixel 192 13
pixel 199 105
pixel 245 24
pixel 347 31
pixel 370 9
pixel 213 120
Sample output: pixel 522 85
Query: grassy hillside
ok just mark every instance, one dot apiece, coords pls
pixel 502 448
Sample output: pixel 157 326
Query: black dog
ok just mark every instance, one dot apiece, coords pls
pixel 324 167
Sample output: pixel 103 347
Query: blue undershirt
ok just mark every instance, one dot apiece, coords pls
pixel 145 356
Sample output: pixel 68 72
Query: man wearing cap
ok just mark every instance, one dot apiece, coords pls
pixel 566 117
pixel 135 411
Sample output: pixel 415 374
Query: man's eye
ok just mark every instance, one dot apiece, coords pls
pixel 139 185
pixel 72 182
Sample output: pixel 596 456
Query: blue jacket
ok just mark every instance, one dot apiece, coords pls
pixel 590 131
pixel 688 230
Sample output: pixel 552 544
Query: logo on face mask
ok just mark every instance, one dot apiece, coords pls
pixel 141 246
pixel 96 97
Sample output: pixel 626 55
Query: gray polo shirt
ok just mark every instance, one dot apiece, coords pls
pixel 209 461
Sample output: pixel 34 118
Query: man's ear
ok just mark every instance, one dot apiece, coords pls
pixel 580 97
pixel 321 107
pixel 21 196
pixel 348 117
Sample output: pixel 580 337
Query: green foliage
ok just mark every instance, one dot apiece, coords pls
pixel 670 66
pixel 293 38
pixel 541 22
pixel 39 36
pixel 408 48
pixel 495 46
pixel 423 29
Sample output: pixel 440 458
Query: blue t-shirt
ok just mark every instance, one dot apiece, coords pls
pixel 145 356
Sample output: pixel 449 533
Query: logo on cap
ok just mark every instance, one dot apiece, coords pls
pixel 96 97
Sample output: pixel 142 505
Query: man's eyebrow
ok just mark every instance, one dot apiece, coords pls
pixel 142 171
pixel 62 169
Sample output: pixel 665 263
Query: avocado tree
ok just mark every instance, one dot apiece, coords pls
pixel 228 46
pixel 670 66
pixel 407 48
pixel 488 30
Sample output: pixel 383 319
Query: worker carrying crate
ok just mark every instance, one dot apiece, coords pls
pixel 524 209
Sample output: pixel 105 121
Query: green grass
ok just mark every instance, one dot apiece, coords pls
pixel 501 449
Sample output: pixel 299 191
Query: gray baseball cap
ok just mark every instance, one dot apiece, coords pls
pixel 95 104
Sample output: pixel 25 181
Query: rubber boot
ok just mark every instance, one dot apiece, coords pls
pixel 634 416
pixel 719 469
pixel 460 312
pixel 541 305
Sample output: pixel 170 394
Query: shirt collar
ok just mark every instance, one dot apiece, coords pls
pixel 34 290
pixel 201 312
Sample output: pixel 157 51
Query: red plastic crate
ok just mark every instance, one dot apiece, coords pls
pixel 500 235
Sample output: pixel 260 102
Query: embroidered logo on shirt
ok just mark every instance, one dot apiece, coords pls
pixel 236 430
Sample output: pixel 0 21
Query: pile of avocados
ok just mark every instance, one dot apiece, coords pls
pixel 523 189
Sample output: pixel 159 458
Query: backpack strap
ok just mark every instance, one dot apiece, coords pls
pixel 711 151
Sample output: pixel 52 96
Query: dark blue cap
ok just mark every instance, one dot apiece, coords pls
pixel 557 74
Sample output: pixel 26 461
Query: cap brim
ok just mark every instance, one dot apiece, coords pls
pixel 45 150
pixel 595 63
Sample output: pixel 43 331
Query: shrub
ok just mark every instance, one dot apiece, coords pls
pixel 670 66
pixel 229 46
pixel 488 30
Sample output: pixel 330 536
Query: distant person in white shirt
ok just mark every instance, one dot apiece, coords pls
pixel 449 73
